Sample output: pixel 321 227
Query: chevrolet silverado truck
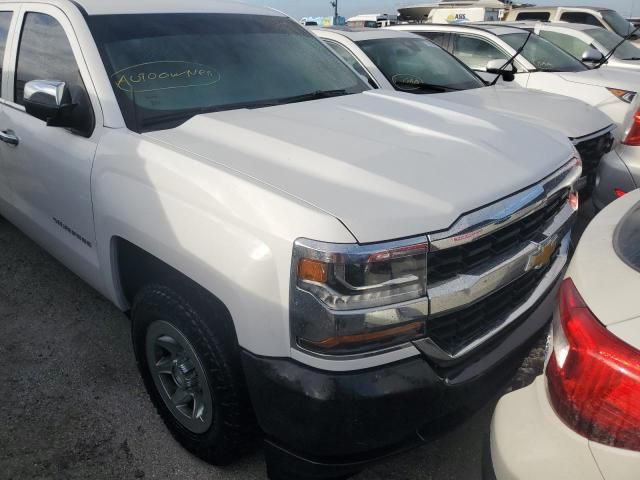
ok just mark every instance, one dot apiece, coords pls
pixel 338 271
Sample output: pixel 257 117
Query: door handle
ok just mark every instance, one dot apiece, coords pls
pixel 10 137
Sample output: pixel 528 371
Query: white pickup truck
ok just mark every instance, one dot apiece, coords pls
pixel 333 265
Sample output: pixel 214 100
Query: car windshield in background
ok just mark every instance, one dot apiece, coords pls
pixel 418 66
pixel 609 40
pixel 166 68
pixel 627 238
pixel 616 21
pixel 542 54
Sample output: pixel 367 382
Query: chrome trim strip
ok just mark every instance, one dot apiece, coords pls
pixel 472 286
pixel 429 348
pixel 591 136
pixel 485 221
pixel 354 252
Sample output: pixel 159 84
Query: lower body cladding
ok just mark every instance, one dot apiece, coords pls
pixel 619 173
pixel 321 424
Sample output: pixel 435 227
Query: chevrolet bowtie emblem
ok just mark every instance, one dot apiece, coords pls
pixel 542 257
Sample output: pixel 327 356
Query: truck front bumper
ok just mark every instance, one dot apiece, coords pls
pixel 321 424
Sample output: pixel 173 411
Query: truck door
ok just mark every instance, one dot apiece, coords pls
pixel 6 16
pixel 50 167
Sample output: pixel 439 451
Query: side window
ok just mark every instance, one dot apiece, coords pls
pixel 439 38
pixel 537 16
pixel 349 58
pixel 476 52
pixel 569 44
pixel 5 23
pixel 581 17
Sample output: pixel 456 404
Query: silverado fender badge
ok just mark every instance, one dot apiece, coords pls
pixel 543 256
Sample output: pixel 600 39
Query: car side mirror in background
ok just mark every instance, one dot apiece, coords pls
pixel 592 56
pixel 508 73
pixel 49 100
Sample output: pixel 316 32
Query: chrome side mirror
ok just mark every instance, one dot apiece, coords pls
pixel 592 55
pixel 508 73
pixel 49 100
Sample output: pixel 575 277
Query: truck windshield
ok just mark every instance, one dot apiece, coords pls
pixel 416 65
pixel 167 68
pixel 610 40
pixel 542 54
pixel 617 22
pixel 627 238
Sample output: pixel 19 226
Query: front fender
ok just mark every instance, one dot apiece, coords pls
pixel 229 233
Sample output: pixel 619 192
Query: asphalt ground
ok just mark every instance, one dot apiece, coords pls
pixel 72 405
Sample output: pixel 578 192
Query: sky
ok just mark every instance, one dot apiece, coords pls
pixel 348 8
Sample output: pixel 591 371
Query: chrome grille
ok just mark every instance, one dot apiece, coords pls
pixel 454 331
pixel 447 264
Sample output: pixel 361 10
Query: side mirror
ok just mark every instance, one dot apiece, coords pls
pixel 592 56
pixel 49 100
pixel 508 73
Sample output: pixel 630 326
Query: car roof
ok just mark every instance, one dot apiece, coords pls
pixel 534 23
pixel 487 27
pixel 112 7
pixel 360 34
pixel 543 8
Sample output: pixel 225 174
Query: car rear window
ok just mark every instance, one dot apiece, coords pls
pixel 627 238
pixel 541 16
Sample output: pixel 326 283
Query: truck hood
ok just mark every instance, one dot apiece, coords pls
pixel 609 77
pixel 570 116
pixel 385 164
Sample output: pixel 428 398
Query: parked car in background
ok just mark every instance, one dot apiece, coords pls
pixel 372 20
pixel 351 271
pixel 403 61
pixel 486 48
pixel 580 41
pixel 582 418
pixel 595 16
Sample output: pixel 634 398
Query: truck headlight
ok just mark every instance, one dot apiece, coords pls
pixel 349 299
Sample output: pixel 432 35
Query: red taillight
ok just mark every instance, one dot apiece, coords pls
pixel 633 137
pixel 594 377
pixel 619 193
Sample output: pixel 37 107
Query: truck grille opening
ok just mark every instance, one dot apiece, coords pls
pixel 454 331
pixel 447 264
pixel 592 151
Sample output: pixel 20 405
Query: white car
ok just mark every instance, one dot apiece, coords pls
pixel 543 66
pixel 582 419
pixel 405 62
pixel 596 16
pixel 580 40
pixel 304 260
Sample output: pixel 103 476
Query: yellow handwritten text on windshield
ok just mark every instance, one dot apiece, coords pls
pixel 164 75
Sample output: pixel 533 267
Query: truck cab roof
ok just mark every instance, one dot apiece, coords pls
pixel 115 7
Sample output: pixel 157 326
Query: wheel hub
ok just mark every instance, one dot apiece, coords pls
pixel 184 373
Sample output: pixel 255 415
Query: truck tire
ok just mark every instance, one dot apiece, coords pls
pixel 190 366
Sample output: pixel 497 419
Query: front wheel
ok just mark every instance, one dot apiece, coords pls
pixel 188 360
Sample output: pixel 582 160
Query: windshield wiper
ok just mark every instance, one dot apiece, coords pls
pixel 427 86
pixel 606 58
pixel 187 114
pixel 511 60
pixel 305 97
